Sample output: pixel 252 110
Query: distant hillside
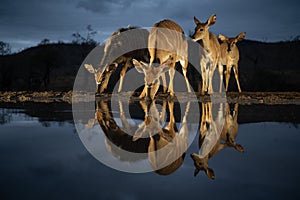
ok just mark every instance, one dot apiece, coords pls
pixel 45 67
pixel 269 66
pixel 262 67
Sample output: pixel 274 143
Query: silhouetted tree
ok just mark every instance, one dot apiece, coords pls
pixel 44 42
pixel 296 38
pixel 79 39
pixel 4 48
pixel 90 35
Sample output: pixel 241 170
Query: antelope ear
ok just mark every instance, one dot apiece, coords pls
pixel 223 38
pixel 196 171
pixel 90 68
pixel 196 21
pixel 139 66
pixel 210 173
pixel 212 20
pixel 114 64
pixel 239 148
pixel 143 63
pixel 241 36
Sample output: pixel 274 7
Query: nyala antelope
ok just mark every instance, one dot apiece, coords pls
pixel 164 145
pixel 151 76
pixel 212 131
pixel 230 128
pixel 211 44
pixel 122 46
pixel 167 40
pixel 167 146
pixel 230 56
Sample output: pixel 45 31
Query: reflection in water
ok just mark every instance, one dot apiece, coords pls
pixel 36 159
pixel 165 145
pixel 118 135
pixel 5 116
pixel 212 131
pixel 158 139
pixel 230 129
pixel 169 145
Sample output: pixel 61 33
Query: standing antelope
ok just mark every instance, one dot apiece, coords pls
pixel 211 44
pixel 166 39
pixel 122 46
pixel 230 56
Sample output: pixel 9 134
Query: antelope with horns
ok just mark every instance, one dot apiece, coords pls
pixel 211 44
pixel 122 46
pixel 230 56
pixel 167 40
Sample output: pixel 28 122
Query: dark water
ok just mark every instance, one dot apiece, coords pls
pixel 42 157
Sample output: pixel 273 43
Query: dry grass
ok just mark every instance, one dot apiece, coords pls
pixel 231 97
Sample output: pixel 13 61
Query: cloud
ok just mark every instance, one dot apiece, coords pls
pixel 23 22
pixel 107 6
pixel 104 6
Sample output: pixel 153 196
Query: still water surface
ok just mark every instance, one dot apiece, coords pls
pixel 42 157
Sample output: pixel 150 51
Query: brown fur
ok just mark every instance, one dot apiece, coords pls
pixel 116 53
pixel 210 43
pixel 166 39
pixel 230 57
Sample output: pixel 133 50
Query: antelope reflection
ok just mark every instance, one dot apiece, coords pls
pixel 166 150
pixel 216 133
pixel 165 146
pixel 117 135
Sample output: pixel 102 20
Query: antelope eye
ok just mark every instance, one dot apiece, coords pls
pixel 201 29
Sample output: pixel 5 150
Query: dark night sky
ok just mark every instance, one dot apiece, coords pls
pixel 26 23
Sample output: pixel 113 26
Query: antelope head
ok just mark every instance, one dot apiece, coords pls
pixel 201 29
pixel 101 76
pixel 152 74
pixel 201 164
pixel 231 42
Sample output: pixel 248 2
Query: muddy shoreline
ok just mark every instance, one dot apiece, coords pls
pixel 231 97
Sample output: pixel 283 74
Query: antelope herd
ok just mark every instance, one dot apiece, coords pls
pixel 153 54
pixel 166 44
